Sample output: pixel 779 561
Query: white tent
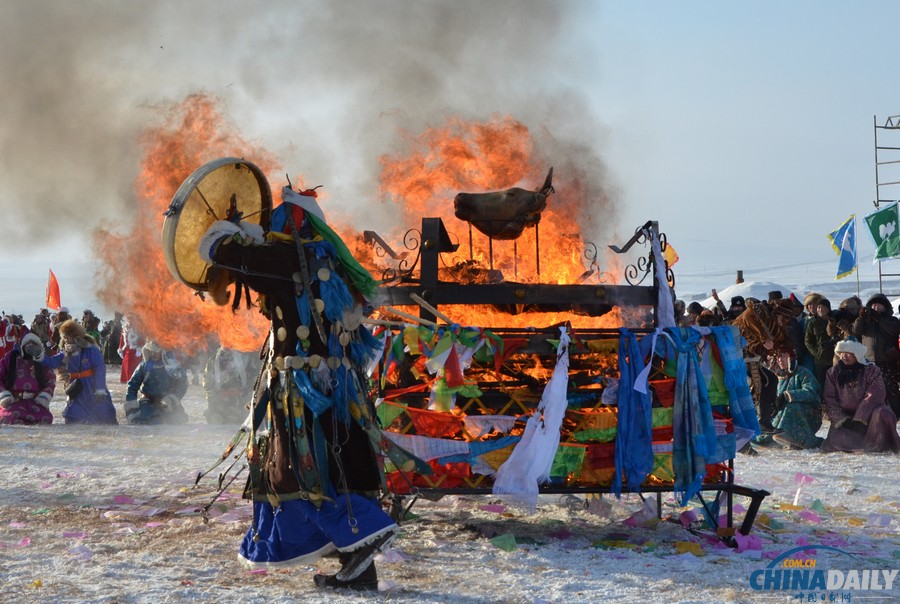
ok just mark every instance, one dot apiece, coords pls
pixel 749 289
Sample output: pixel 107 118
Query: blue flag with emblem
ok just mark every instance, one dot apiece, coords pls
pixel 843 240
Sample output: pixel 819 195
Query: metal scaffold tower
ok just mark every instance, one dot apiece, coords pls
pixel 887 171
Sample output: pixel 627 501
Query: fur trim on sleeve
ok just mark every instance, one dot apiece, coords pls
pixel 243 232
pixel 43 399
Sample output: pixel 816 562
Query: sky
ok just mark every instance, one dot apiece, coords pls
pixel 744 129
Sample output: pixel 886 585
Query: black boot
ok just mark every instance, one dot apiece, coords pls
pixel 359 559
pixel 367 580
pixel 748 450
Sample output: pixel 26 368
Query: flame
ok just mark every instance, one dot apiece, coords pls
pixel 442 161
pixel 487 156
pixel 134 277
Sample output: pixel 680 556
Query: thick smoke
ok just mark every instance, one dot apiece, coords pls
pixel 328 87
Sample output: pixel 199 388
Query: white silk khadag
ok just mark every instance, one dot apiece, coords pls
pixel 530 462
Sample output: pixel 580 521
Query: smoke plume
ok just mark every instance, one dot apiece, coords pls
pixel 326 87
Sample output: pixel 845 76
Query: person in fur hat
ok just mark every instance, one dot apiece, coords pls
pixel 861 420
pixel 878 330
pixel 799 402
pixel 55 336
pixel 818 340
pixel 26 386
pixel 763 327
pixel 80 365
pixel 314 444
pixel 156 388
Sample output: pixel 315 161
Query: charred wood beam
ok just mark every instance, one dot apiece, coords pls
pixel 546 295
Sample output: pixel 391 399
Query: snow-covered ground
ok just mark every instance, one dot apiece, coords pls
pixel 109 514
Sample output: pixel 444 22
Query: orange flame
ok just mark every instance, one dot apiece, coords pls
pixel 134 277
pixel 459 156
pixel 494 155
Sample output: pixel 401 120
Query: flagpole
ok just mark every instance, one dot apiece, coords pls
pixel 855 255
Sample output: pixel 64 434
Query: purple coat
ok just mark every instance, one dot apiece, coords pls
pixel 30 385
pixel 860 417
pixel 93 404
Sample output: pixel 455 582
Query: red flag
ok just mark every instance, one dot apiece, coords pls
pixel 52 292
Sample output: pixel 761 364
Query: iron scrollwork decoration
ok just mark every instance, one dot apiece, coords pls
pixel 636 273
pixel 663 244
pixel 591 254
pixel 404 264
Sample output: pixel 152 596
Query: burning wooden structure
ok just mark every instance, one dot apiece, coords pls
pixel 459 396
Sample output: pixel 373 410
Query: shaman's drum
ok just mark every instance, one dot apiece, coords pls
pixel 223 189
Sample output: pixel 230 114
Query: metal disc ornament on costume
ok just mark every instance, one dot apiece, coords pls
pixel 218 190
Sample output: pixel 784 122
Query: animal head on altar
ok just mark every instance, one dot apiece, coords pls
pixel 504 214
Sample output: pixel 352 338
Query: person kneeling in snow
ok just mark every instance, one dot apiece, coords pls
pixel 861 420
pixel 26 386
pixel 229 385
pixel 161 382
pixel 81 365
pixel 799 403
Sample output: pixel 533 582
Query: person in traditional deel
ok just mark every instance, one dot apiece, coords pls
pixel 861 420
pixel 879 330
pixel 26 386
pixel 110 337
pixel 131 345
pixel 315 476
pixel 799 404
pixel 228 382
pixel 80 366
pixel 156 387
pixel 62 315
pixel 40 327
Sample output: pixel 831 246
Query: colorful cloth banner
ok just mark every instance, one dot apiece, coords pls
pixel 884 227
pixel 843 240
pixel 670 254
pixel 530 463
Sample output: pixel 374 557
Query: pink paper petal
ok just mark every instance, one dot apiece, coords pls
pixel 801 478
pixel 391 556
pixel 834 541
pixel 183 511
pixel 688 517
pixel 155 524
pixel 491 507
pixel 82 552
pixel 17 525
pixel 25 542
pixel 747 542
pixel 123 499
pixel 46 485
pixel 74 535
pixel 258 571
pixel 810 515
